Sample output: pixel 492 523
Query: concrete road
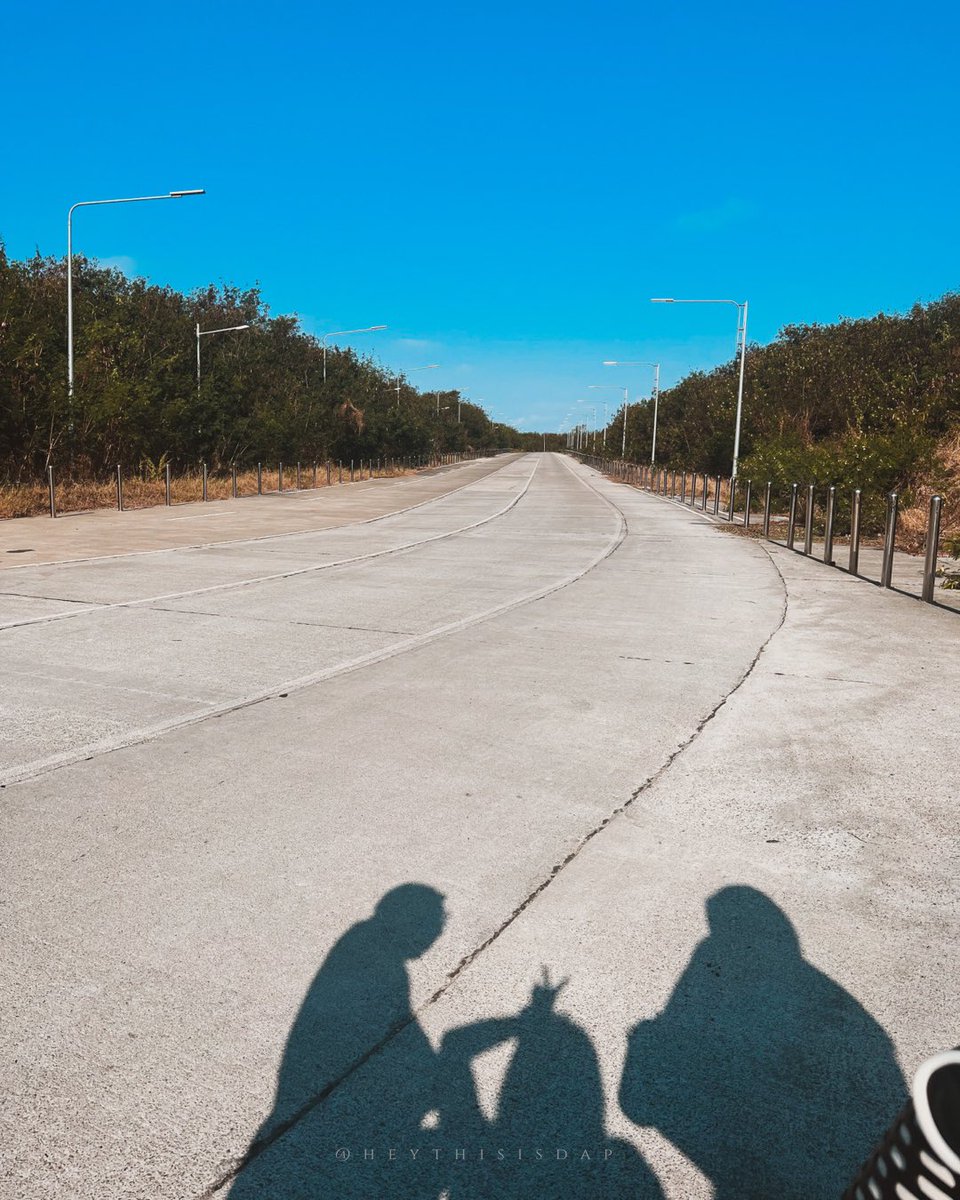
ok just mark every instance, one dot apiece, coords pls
pixel 538 840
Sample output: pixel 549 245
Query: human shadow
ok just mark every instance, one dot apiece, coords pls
pixel 767 1075
pixel 357 1001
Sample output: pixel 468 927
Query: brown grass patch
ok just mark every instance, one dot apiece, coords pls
pixel 82 495
pixel 913 521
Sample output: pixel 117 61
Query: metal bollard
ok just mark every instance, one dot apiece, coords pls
pixel 204 489
pixel 733 496
pixel 298 475
pixel 808 521
pixel 746 504
pixel 683 487
pixel 351 470
pixel 706 492
pixel 166 489
pixel 328 472
pixel 716 496
pixel 314 472
pixel 929 559
pixel 233 480
pixel 119 489
pixel 340 470
pixel 854 564
pixel 794 488
pixel 828 527
pixel 51 486
pixel 889 539
pixel 280 477
pixel 259 479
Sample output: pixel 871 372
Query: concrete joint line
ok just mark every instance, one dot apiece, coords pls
pixel 266 537
pixel 43 767
pixel 243 583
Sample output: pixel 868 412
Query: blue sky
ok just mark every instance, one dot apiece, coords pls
pixel 504 186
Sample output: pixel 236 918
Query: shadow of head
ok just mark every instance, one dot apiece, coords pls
pixel 412 917
pixel 745 922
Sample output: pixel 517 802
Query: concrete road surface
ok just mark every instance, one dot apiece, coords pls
pixel 534 840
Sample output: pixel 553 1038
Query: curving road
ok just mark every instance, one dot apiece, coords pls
pixel 581 715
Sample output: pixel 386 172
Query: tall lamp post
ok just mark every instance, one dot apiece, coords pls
pixel 397 385
pixel 89 204
pixel 741 307
pixel 206 333
pixel 343 333
pixel 618 387
pixel 586 433
pixel 640 362
pixel 446 406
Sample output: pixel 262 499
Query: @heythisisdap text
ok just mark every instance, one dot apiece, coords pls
pixel 462 1154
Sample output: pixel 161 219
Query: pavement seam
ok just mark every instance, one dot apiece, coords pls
pixel 266 537
pixel 52 618
pixel 95 750
pixel 467 960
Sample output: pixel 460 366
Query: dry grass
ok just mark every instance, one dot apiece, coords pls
pixel 82 495
pixel 913 521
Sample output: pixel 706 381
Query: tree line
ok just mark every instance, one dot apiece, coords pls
pixel 261 397
pixel 871 403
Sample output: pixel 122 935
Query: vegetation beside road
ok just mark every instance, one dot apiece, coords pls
pixel 136 403
pixel 871 404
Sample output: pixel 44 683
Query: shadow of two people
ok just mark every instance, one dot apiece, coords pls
pixel 766 1075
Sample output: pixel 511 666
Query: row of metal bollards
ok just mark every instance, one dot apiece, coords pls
pixel 375 469
pixel 673 484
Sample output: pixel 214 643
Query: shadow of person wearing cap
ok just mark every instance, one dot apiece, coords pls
pixel 768 1076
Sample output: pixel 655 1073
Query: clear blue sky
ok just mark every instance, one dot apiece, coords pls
pixel 503 185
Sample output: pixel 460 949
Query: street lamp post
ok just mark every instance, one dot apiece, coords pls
pixel 397 385
pixel 343 333
pixel 586 433
pixel 741 307
pixel 206 333
pixel 640 362
pixel 617 386
pixel 89 204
